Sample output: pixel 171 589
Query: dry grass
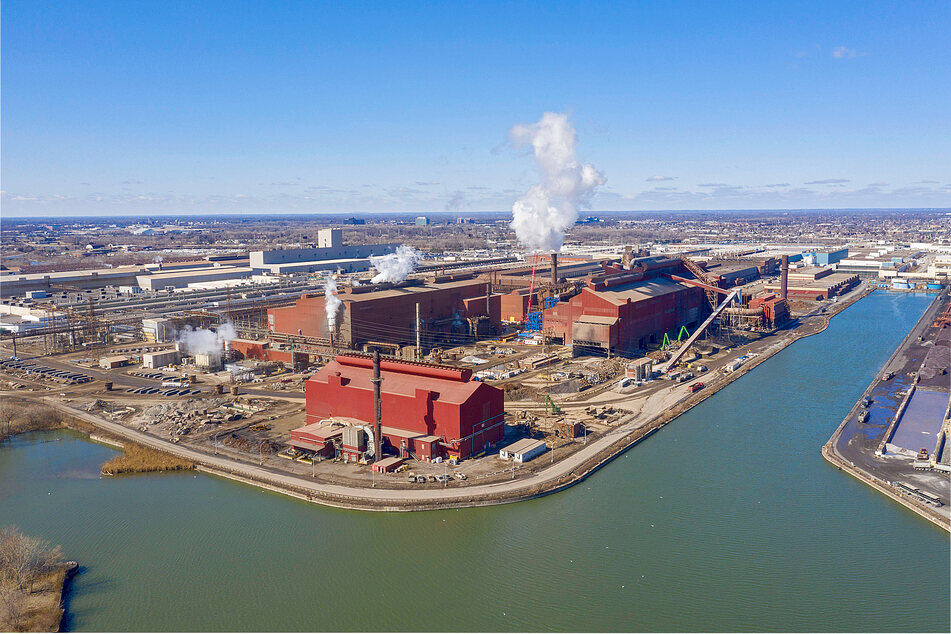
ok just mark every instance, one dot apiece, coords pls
pixel 138 459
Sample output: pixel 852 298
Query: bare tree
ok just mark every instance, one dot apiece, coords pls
pixel 24 558
pixel 13 607
pixel 8 414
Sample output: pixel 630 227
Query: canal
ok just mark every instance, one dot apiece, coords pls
pixel 727 519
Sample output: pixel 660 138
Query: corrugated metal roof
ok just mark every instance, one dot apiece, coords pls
pixel 394 382
pixel 523 445
pixel 637 291
pixel 407 290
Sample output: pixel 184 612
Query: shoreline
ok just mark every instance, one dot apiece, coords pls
pixel 70 568
pixel 829 449
pixel 559 476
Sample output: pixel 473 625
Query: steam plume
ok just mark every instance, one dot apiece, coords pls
pixel 331 303
pixel 395 267
pixel 204 341
pixel 543 214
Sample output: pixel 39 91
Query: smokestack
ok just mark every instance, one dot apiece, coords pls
pixel 784 280
pixel 554 269
pixel 377 421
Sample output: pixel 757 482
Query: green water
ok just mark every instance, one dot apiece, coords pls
pixel 728 519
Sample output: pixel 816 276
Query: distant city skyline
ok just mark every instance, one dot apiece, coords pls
pixel 112 108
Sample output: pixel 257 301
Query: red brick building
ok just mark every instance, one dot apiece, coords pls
pixel 262 351
pixel 427 410
pixel 447 306
pixel 624 312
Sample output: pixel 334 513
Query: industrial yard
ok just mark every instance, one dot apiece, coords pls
pixel 896 437
pixel 359 364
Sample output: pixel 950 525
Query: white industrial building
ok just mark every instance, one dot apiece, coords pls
pixel 523 450
pixel 20 284
pixel 158 329
pixel 181 279
pixel 208 361
pixel 20 319
pixel 329 255
pixel 160 359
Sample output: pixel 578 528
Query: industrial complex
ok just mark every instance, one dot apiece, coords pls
pixel 352 362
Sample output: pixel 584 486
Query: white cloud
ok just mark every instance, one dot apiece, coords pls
pixel 843 52
pixel 657 179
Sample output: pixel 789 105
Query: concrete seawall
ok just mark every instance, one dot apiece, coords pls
pixel 829 452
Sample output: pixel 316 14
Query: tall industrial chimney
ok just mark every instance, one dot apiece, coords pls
pixel 554 269
pixel 784 279
pixel 377 419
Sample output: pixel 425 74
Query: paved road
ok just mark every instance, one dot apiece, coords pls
pixel 121 380
pixel 369 495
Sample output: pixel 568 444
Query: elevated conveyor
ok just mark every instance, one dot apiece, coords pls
pixel 730 298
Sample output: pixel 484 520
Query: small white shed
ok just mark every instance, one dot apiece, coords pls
pixel 523 450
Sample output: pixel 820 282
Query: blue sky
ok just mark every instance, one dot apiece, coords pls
pixel 205 107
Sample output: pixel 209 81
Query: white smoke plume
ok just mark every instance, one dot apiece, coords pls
pixel 158 259
pixel 204 341
pixel 331 303
pixel 354 282
pixel 395 267
pixel 543 214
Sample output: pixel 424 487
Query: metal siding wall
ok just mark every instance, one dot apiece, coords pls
pixel 449 420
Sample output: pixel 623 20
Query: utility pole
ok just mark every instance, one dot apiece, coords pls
pixel 419 354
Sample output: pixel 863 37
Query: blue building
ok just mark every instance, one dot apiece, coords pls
pixel 825 258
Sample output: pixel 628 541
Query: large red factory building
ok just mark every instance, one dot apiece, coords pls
pixel 626 311
pixel 447 306
pixel 426 409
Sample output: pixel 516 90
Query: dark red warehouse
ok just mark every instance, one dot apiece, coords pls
pixel 426 409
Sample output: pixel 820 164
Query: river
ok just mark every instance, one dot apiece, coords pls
pixel 727 519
